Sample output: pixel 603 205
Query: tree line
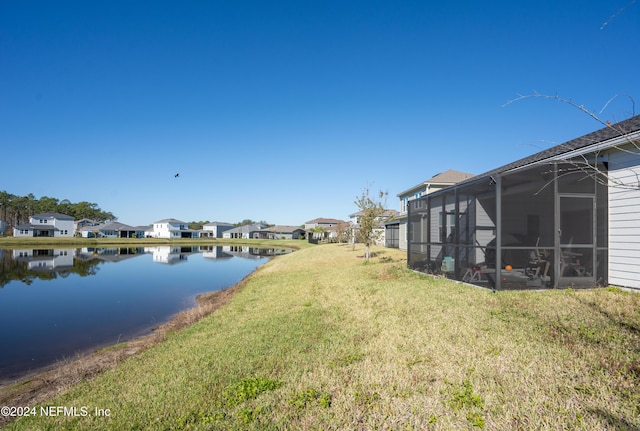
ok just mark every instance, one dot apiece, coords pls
pixel 15 210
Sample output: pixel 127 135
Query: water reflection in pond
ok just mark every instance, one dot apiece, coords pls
pixel 56 303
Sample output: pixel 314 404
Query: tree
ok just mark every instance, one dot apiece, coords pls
pixel 18 209
pixel 45 204
pixel 370 219
pixel 343 232
pixel 5 200
pixel 197 225
pixel 319 232
pixel 247 221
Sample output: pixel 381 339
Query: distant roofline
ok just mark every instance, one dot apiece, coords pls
pixel 437 180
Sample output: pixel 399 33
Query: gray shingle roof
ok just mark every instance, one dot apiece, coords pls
pixel 246 228
pixel 171 220
pixel 605 134
pixel 449 177
pixel 115 226
pixel 445 178
pixel 218 223
pixel 53 214
pixel 283 229
pixel 324 220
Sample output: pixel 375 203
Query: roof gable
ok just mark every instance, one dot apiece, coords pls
pixel 449 177
pixel 446 178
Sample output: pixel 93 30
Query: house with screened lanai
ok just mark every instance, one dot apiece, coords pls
pixel 568 216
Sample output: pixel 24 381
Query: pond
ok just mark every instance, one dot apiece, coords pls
pixel 58 303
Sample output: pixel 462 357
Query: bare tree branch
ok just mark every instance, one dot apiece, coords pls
pixel 589 164
pixel 616 14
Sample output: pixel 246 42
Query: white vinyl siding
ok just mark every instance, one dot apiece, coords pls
pixel 624 221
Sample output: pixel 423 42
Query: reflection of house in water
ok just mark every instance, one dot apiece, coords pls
pixel 171 254
pixel 109 254
pixel 253 252
pixel 240 251
pixel 112 230
pixel 45 259
pixel 213 252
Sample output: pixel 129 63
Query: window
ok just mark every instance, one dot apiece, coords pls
pixel 447 230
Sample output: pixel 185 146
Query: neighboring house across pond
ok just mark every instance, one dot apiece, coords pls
pixel 48 224
pixel 3 227
pixel 85 222
pixel 113 230
pixel 172 228
pixel 339 231
pixel 323 228
pixel 282 232
pixel 396 230
pixel 244 232
pixel 387 216
pixel 568 216
pixel 215 229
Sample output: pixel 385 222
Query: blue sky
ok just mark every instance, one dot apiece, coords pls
pixel 285 111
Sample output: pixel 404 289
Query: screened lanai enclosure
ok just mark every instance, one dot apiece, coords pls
pixel 568 216
pixel 538 227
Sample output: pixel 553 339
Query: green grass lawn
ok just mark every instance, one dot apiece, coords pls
pixel 320 340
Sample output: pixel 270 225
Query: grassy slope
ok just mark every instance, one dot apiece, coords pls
pixel 318 340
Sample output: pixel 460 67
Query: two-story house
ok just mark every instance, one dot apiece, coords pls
pixel 48 224
pixel 282 232
pixel 215 229
pixel 323 228
pixel 245 231
pixel 396 230
pixel 172 228
pixel 387 215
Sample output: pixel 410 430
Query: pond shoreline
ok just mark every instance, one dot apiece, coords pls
pixel 56 379
pixel 62 304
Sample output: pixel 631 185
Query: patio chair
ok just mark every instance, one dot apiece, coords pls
pixel 538 263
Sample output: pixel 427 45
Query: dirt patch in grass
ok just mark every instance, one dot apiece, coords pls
pixel 42 386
